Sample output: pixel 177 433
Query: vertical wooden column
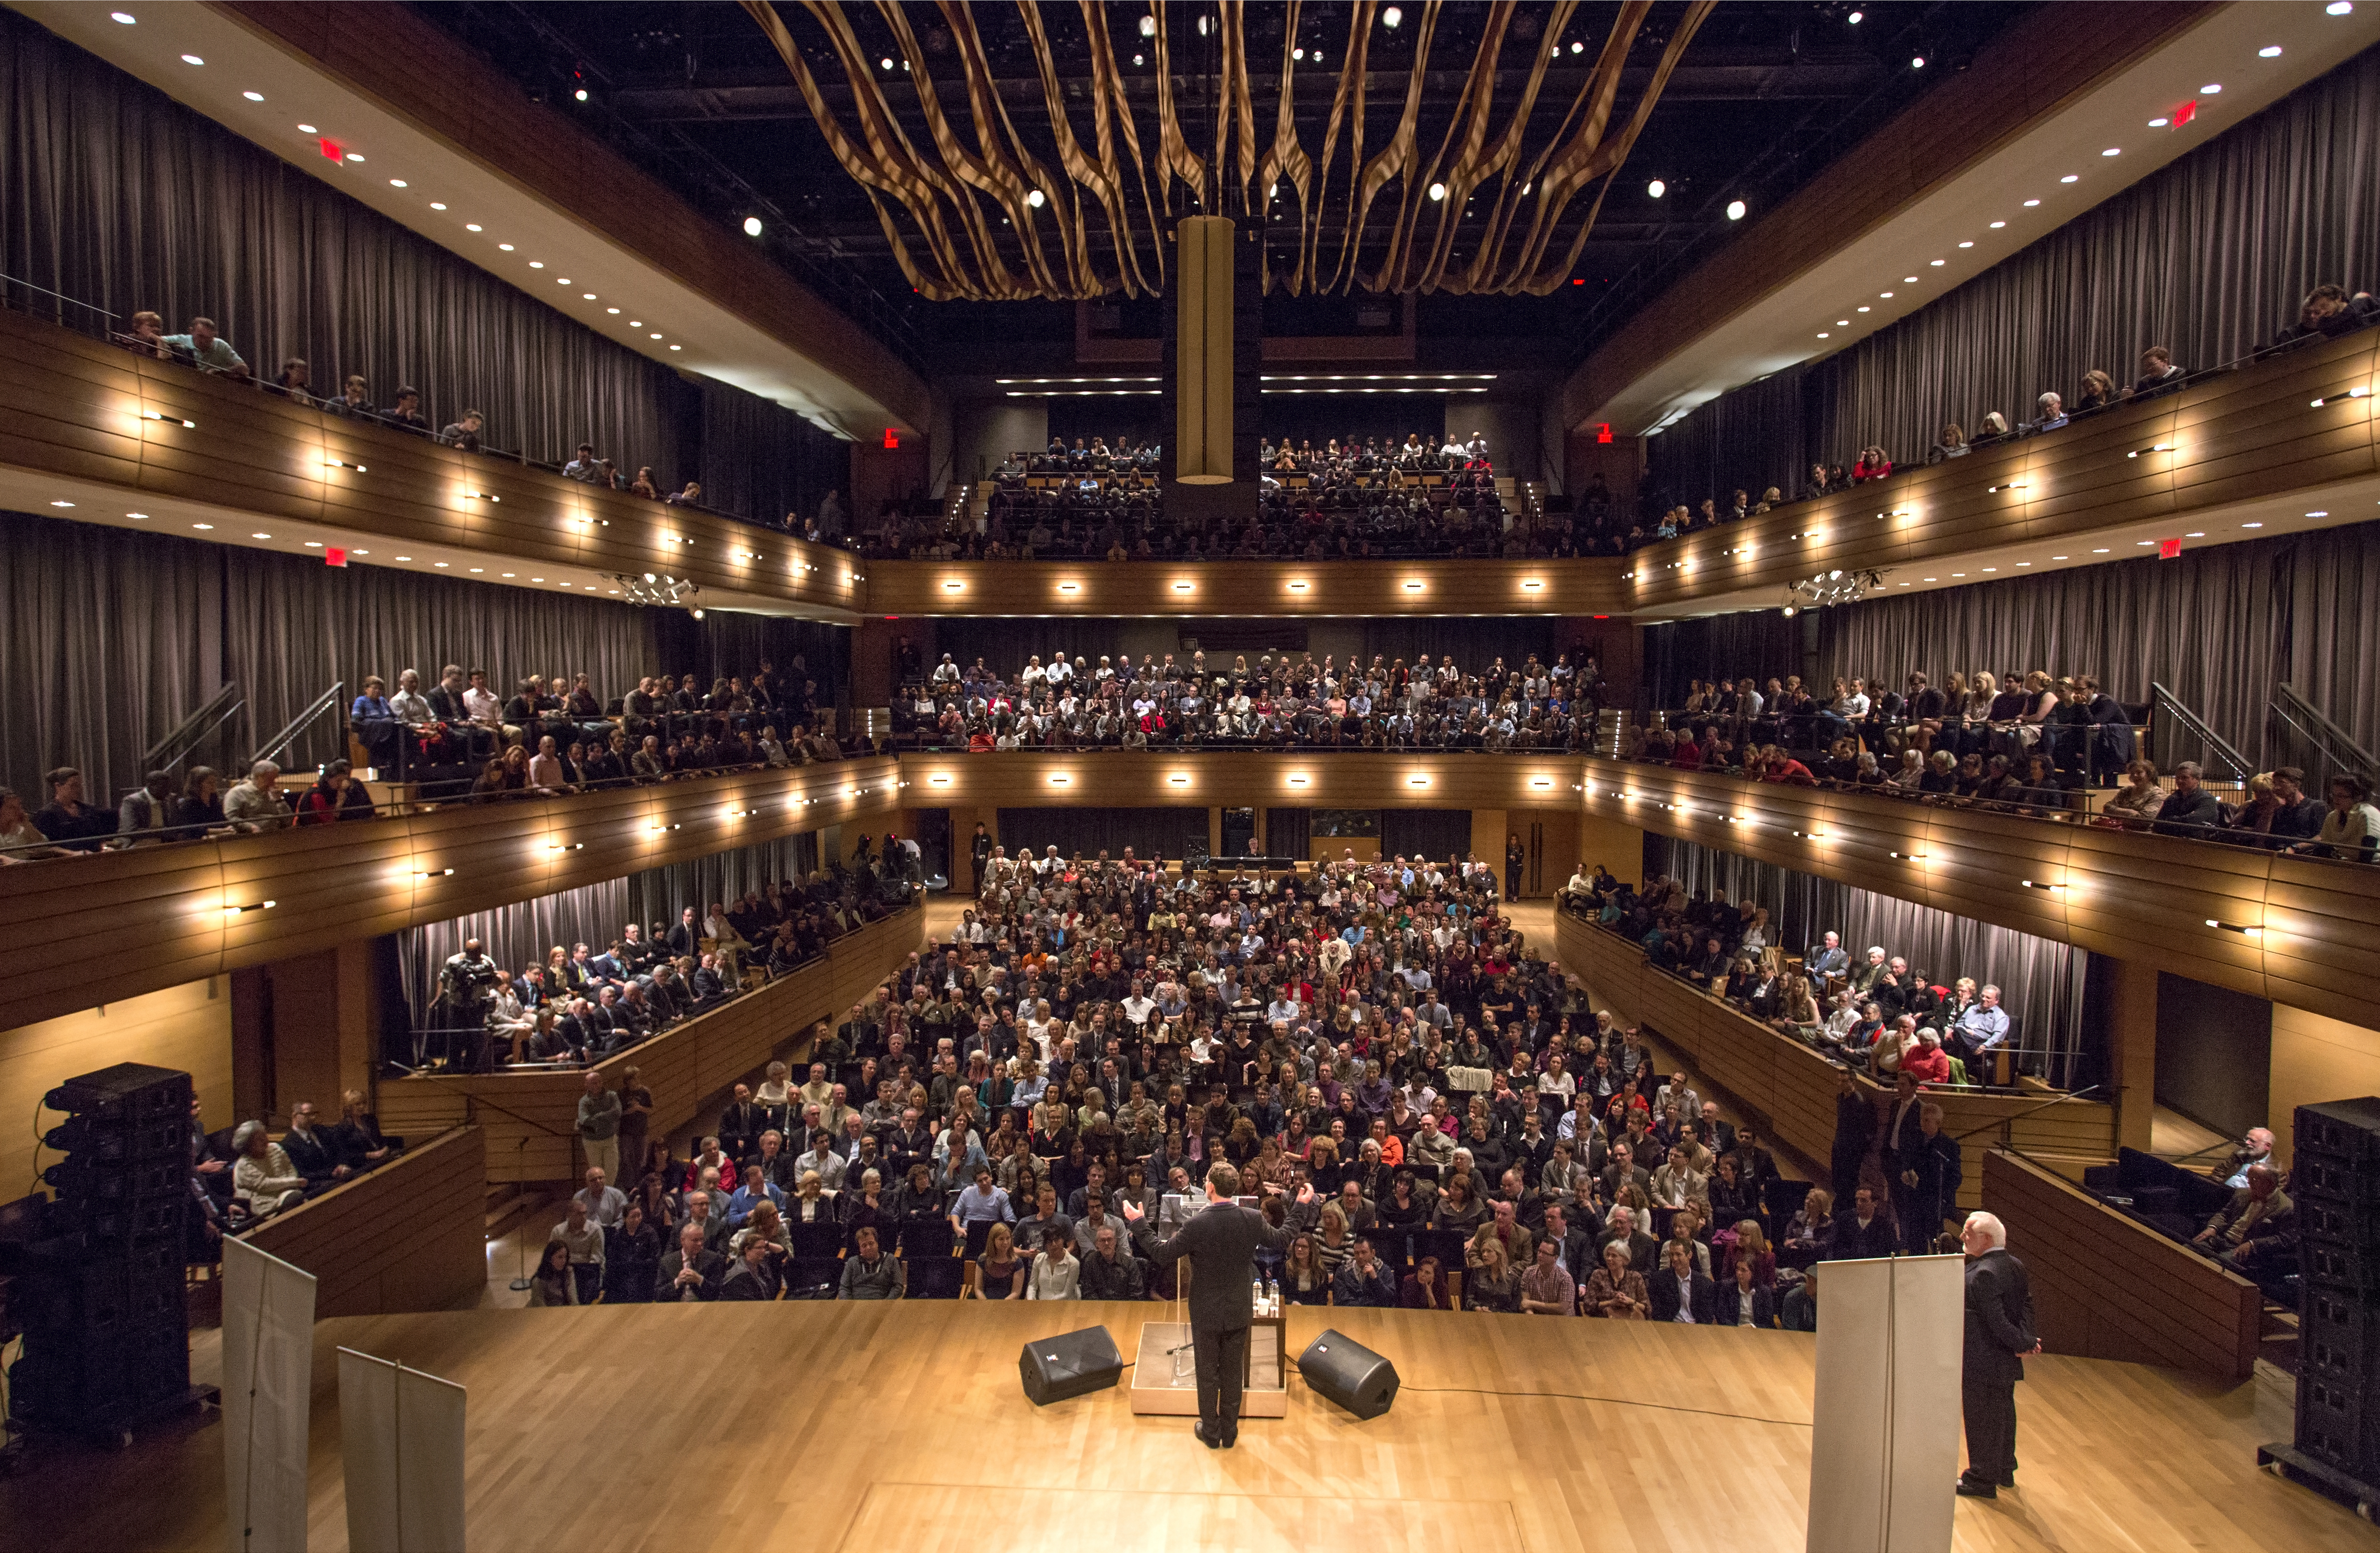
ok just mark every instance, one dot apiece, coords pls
pixel 2131 1052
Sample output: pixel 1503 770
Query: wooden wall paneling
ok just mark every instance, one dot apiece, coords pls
pixel 2086 476
pixel 241 439
pixel 2089 1266
pixel 1881 846
pixel 1977 865
pixel 405 1237
pixel 2127 889
pixel 87 930
pixel 69 404
pixel 393 486
pixel 2321 919
pixel 2257 431
pixel 1419 588
pixel 329 884
pixel 1239 778
pixel 1801 1102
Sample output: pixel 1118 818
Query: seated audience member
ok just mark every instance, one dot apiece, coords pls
pixel 146 813
pixel 2189 807
pixel 2350 832
pixel 1546 1289
pixel 691 1274
pixel 406 410
pixel 632 1257
pixel 1952 443
pixel 870 1273
pixel 2256 1221
pixel 756 1274
pixel 1865 1233
pixel 464 432
pixel 1364 1279
pixel 2159 373
pixel 1742 1302
pixel 2327 312
pixel 1056 1272
pixel 2050 414
pixel 1425 1288
pixel 1110 1272
pixel 66 819
pixel 1683 1291
pixel 261 1173
pixel 2141 799
pixel 254 803
pixel 1799 1310
pixel 315 1152
pixel 555 1282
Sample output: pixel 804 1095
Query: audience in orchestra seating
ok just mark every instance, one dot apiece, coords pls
pixel 1276 702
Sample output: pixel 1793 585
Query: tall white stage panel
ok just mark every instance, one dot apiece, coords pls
pixel 1884 1446
pixel 401 1435
pixel 268 1372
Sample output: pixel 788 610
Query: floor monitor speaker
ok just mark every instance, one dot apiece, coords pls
pixel 1349 1373
pixel 1068 1365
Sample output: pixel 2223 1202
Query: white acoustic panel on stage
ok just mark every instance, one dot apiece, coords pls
pixel 401 1435
pixel 268 1374
pixel 1884 1446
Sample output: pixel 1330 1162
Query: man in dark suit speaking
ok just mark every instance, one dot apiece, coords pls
pixel 2000 1336
pixel 1222 1240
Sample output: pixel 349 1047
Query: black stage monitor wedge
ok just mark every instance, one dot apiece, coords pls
pixel 1349 1373
pixel 1068 1365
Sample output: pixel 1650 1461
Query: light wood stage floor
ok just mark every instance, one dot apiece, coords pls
pixel 875 1427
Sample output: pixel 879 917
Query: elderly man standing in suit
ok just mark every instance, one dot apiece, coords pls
pixel 2000 1336
pixel 1222 1239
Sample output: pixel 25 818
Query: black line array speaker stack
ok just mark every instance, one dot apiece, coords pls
pixel 105 1317
pixel 2335 1182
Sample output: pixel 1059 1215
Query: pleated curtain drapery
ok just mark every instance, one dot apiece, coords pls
pixel 2221 627
pixel 1436 834
pixel 118 196
pixel 516 937
pixel 2208 256
pixel 1168 832
pixel 2040 979
pixel 113 635
pixel 659 894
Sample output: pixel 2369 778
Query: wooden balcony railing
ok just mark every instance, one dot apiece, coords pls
pixel 2299 930
pixel 83 931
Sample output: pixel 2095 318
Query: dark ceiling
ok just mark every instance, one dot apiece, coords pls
pixel 1768 94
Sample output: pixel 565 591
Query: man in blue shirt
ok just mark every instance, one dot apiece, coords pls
pixel 749 1191
pixel 982 1203
pixel 1984 1025
pixel 210 350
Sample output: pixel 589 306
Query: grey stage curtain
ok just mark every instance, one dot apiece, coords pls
pixel 113 635
pixel 2209 255
pixel 1760 643
pixel 1475 643
pixel 117 196
pixel 1288 832
pixel 517 937
pixel 1169 833
pixel 2218 626
pixel 659 894
pixel 1437 834
pixel 1751 439
pixel 731 642
pixel 2040 980
pixel 107 639
pixel 291 629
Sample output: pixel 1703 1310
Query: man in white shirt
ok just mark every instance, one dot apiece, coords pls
pixel 1140 1005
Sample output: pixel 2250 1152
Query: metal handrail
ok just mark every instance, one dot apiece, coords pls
pixel 2325 733
pixel 183 741
pixel 328 700
pixel 2192 722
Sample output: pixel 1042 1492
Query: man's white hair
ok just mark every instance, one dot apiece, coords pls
pixel 1988 1225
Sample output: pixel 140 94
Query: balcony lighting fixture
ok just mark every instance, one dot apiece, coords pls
pixel 1297 781
pixel 343 464
pixel 2237 927
pixel 436 873
pixel 170 419
pixel 1417 781
pixel 567 846
pixel 1060 778
pixel 261 905
pixel 1910 856
pixel 678 827
pixel 2031 884
pixel 1178 780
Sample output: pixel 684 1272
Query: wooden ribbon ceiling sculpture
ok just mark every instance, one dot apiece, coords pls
pixel 985 198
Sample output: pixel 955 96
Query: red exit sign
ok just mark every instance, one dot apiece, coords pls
pixel 335 556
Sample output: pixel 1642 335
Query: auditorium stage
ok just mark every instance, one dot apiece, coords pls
pixel 901 1428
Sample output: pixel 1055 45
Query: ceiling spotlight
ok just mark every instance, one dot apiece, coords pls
pixel 2211 89
pixel 2113 150
pixel 751 225
pixel 580 95
pixel 1137 59
pixel 396 183
pixel 1149 26
pixel 1918 63
pixel 305 129
pixel 2031 203
pixel 1577 47
pixel 1297 53
pixel 124 17
pixel 2270 50
pixel 2336 8
pixel 1035 199
pixel 355 156
pixel 194 59
pixel 1392 19
pixel 1437 191
pixel 2159 123
pixel 1657 188
pixel 1735 209
pixel 1856 17
pixel 2072 178
pixel 1998 225
pixel 886 61
pixel 254 96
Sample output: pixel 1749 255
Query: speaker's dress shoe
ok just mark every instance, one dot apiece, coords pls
pixel 1973 1489
pixel 1210 1442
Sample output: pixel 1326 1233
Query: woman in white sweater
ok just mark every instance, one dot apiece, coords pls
pixel 263 1173
pixel 1056 1274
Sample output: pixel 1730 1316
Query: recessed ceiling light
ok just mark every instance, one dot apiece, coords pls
pixel 2101 550
pixel 305 129
pixel 194 59
pixel 2159 123
pixel 437 204
pixel 62 503
pixel 260 534
pixel 636 323
pixel 2143 542
pixel 1969 243
pixel 313 544
pixel 355 156
pixel 2057 558
pixel 2031 203
pixel 2113 150
pixel 2199 535
pixel 614 310
pixel 396 183
pixel 2251 526
pixel 1735 209
pixel 254 96
pixel 438 563
pixel 2024 563
pixel 1998 225
pixel 1933 580
pixel 2210 89
pixel 1884 294
pixel 532 579
pixel 561 279
pixel 1842 323
pixel 508 573
pixel 677 347
pixel 2321 512
pixel 537 264
pixel 1937 263
pixel 478 568
pixel 142 516
pixel 657 333
pixel 2270 50
pixel 587 296
pixel 405 558
pixel 1822 334
pixel 1958 574
pixel 1862 308
pixel 503 248
pixel 201 525
pixel 127 18
pixel 2072 178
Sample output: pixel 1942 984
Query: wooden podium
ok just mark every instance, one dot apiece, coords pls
pixel 1164 1374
